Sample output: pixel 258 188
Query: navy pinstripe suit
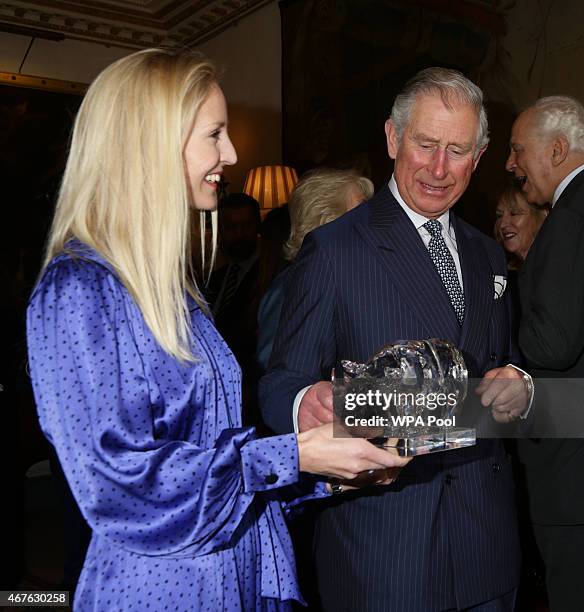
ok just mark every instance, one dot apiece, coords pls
pixel 444 534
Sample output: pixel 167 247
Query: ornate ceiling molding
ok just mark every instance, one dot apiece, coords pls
pixel 132 24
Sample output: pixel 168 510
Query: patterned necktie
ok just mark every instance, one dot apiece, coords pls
pixel 442 259
pixel 229 288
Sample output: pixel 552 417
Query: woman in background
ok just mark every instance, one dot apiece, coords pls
pixel 319 197
pixel 134 386
pixel 517 224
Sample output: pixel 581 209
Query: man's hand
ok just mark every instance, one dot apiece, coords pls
pixel 316 407
pixel 504 390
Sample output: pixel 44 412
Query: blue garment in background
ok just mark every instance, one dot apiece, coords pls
pixel 177 494
pixel 269 312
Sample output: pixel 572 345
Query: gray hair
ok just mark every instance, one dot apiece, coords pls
pixel 319 197
pixel 561 115
pixel 452 86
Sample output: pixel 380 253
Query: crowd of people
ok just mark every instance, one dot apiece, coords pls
pixel 137 358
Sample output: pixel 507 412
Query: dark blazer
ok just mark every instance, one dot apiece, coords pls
pixel 551 338
pixel 237 322
pixel 444 535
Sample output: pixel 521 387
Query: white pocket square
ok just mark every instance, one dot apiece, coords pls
pixel 500 285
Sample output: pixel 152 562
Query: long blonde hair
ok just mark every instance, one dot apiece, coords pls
pixel 124 191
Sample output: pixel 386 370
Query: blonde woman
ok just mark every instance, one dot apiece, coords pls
pixel 320 196
pixel 517 224
pixel 135 388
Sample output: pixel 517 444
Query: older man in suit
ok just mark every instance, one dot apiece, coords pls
pixel 547 157
pixel 402 266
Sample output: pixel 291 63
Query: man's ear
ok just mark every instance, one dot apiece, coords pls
pixel 478 157
pixel 560 150
pixel 392 139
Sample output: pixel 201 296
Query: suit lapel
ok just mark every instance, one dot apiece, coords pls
pixel 477 278
pixel 396 243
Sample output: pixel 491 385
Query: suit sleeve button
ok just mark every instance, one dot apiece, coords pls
pixel 271 479
pixel 493 356
pixel 496 467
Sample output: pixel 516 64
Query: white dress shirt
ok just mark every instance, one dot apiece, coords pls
pixel 419 220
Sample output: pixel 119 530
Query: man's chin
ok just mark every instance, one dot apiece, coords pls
pixel 434 204
pixel 433 209
pixel 533 197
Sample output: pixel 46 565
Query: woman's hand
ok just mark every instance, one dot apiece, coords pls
pixel 344 458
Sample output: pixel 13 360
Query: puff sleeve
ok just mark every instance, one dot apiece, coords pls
pixel 150 494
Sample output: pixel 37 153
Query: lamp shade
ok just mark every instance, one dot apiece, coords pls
pixel 270 185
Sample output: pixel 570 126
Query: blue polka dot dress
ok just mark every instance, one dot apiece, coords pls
pixel 179 496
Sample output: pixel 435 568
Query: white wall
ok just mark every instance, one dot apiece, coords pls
pixel 68 60
pixel 250 54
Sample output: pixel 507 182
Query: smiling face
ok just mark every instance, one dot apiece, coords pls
pixel 436 155
pixel 208 149
pixel 517 224
pixel 531 158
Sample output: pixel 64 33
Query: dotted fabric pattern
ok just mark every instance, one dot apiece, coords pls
pixel 179 496
pixel 442 259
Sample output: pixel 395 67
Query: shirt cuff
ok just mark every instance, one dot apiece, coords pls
pixel 296 406
pixel 318 490
pixel 269 463
pixel 530 389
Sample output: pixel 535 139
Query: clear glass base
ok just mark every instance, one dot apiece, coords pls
pixel 429 442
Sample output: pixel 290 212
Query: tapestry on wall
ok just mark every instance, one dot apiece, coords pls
pixel 344 61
